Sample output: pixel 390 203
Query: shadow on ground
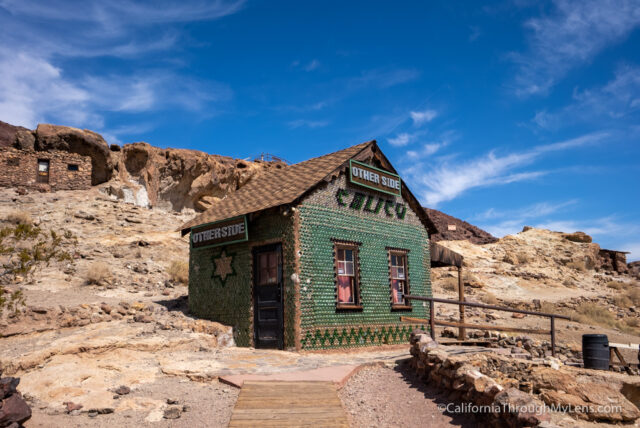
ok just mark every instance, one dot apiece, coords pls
pixel 466 420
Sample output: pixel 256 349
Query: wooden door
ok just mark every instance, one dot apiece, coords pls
pixel 267 292
pixel 43 171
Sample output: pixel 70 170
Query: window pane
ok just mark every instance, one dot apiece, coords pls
pixel 348 255
pixel 400 273
pixel 394 272
pixel 340 254
pixel 395 291
pixel 345 289
pixel 349 268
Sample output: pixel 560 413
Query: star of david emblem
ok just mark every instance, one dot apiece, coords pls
pixel 223 266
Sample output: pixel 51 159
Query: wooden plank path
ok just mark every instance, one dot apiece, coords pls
pixel 288 404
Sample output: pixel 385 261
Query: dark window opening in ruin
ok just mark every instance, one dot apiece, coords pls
pixel 13 162
pixel 43 171
pixel 72 167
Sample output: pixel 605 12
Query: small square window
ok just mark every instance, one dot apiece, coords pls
pixel 72 167
pixel 13 162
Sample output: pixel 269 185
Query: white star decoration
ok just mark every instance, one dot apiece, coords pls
pixel 223 265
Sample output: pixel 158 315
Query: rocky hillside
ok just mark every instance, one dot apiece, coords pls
pixel 453 229
pixel 140 173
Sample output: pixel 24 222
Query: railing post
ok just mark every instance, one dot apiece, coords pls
pixel 432 319
pixel 553 336
pixel 462 333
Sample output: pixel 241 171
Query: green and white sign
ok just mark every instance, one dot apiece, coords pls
pixel 374 178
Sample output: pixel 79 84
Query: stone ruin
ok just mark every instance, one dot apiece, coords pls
pixel 515 392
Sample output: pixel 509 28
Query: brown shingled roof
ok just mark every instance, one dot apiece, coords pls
pixel 276 187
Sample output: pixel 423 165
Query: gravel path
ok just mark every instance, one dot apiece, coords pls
pixel 385 397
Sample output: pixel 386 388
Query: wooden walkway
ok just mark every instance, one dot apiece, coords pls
pixel 288 404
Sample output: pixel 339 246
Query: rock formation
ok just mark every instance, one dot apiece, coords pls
pixel 178 178
pixel 453 229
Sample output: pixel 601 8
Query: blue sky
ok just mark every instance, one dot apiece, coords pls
pixel 505 113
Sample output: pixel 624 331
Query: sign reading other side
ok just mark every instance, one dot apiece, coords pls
pixel 220 233
pixel 374 178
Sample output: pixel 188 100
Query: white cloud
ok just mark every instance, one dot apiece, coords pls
pixel 532 211
pixel 634 249
pixel 422 117
pixel 38 86
pixel 33 90
pixel 400 140
pixel 618 102
pixel 446 180
pixel 312 65
pixel 383 78
pixel 573 34
pixel 300 123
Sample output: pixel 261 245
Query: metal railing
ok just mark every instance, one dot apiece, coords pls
pixel 433 322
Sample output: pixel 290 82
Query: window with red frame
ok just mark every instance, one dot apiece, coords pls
pixel 398 277
pixel 347 275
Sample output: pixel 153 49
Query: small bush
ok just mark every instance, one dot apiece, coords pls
pixel 633 322
pixel 179 271
pixel 631 298
pixel 577 265
pixel 98 273
pixel 523 258
pixel 19 217
pixel 489 299
pixel 616 285
pixel 591 313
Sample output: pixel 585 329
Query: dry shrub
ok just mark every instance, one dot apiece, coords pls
pixel 179 271
pixel 592 313
pixel 633 322
pixel 631 298
pixel 523 258
pixel 577 265
pixel 19 217
pixel 489 299
pixel 548 307
pixel 616 285
pixel 98 273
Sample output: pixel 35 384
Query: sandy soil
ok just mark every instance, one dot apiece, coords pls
pixel 395 397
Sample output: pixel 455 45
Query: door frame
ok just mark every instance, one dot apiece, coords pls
pixel 255 250
pixel 40 177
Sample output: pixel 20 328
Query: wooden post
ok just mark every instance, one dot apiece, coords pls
pixel 462 334
pixel 553 336
pixel 432 320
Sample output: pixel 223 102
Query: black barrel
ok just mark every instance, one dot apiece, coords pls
pixel 595 351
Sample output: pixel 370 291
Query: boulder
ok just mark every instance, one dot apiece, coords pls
pixel 9 134
pixel 14 410
pixel 578 237
pixel 83 142
pixel 525 410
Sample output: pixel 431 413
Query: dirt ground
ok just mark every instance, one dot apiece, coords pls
pixel 395 397
pixel 200 405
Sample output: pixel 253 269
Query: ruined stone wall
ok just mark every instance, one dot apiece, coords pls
pixel 19 168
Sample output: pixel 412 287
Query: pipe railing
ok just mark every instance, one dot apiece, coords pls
pixel 461 325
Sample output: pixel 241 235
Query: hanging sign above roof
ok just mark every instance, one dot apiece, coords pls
pixel 222 232
pixel 374 178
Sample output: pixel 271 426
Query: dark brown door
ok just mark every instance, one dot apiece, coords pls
pixel 267 291
pixel 43 171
